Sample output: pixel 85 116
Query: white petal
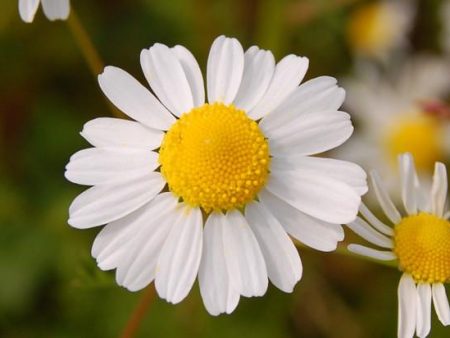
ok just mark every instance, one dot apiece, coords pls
pixel 439 189
pixel 343 171
pixel 127 94
pixel 245 262
pixel 318 94
pixel 193 74
pixel 312 134
pixel 423 324
pixel 56 9
pixel 284 267
pixel 363 229
pixel 105 203
pixel 441 305
pixel 289 72
pixel 310 231
pixel 28 9
pixel 166 76
pixel 408 178
pixel 224 70
pixel 218 294
pixel 111 132
pixel 383 198
pixel 407 305
pixel 94 166
pixel 374 221
pixel 316 195
pixel 372 253
pixel 259 66
pixel 154 222
pixel 180 256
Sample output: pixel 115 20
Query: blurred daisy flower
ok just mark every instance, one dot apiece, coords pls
pixel 53 9
pixel 237 173
pixel 400 113
pixel 378 28
pixel 419 242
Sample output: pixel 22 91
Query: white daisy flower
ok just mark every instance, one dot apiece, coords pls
pixel 238 172
pixel 419 241
pixel 377 29
pixel 397 114
pixel 53 9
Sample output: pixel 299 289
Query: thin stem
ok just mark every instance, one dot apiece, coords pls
pixel 139 312
pixel 87 48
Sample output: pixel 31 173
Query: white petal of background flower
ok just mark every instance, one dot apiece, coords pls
pixel 310 231
pixel 28 9
pixel 127 94
pixel 408 178
pixel 244 259
pixel 384 199
pixel 259 66
pixel 180 256
pixel 283 263
pixel 322 197
pixel 56 9
pixel 224 70
pixel 289 72
pixel 441 305
pixel 315 95
pixel 166 76
pixel 312 134
pixel 105 203
pixel 439 189
pixel 98 166
pixel 218 294
pixel 372 253
pixel 407 307
pixel 423 325
pixel 112 132
pixel 364 230
pixel 193 74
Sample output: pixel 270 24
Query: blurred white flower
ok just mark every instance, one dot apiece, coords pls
pixel 419 242
pixel 378 28
pixel 398 113
pixel 239 165
pixel 53 9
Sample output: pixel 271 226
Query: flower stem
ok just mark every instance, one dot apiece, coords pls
pixel 139 312
pixel 88 50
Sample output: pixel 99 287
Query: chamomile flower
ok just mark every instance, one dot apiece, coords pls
pixel 53 9
pixel 213 189
pixel 377 29
pixel 399 113
pixel 419 242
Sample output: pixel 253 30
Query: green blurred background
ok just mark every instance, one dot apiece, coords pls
pixel 49 284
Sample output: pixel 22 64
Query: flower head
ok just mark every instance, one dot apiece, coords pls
pixel 213 189
pixel 53 9
pixel 419 242
pixel 400 111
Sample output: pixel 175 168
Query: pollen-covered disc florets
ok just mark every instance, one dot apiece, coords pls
pixel 215 157
pixel 422 245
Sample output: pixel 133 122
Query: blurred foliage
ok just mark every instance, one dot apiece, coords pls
pixel 49 285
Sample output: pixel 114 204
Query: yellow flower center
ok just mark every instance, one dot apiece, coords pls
pixel 422 245
pixel 422 136
pixel 370 30
pixel 215 157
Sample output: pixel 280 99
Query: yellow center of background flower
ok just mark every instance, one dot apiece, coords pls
pixel 422 136
pixel 422 245
pixel 369 30
pixel 215 157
